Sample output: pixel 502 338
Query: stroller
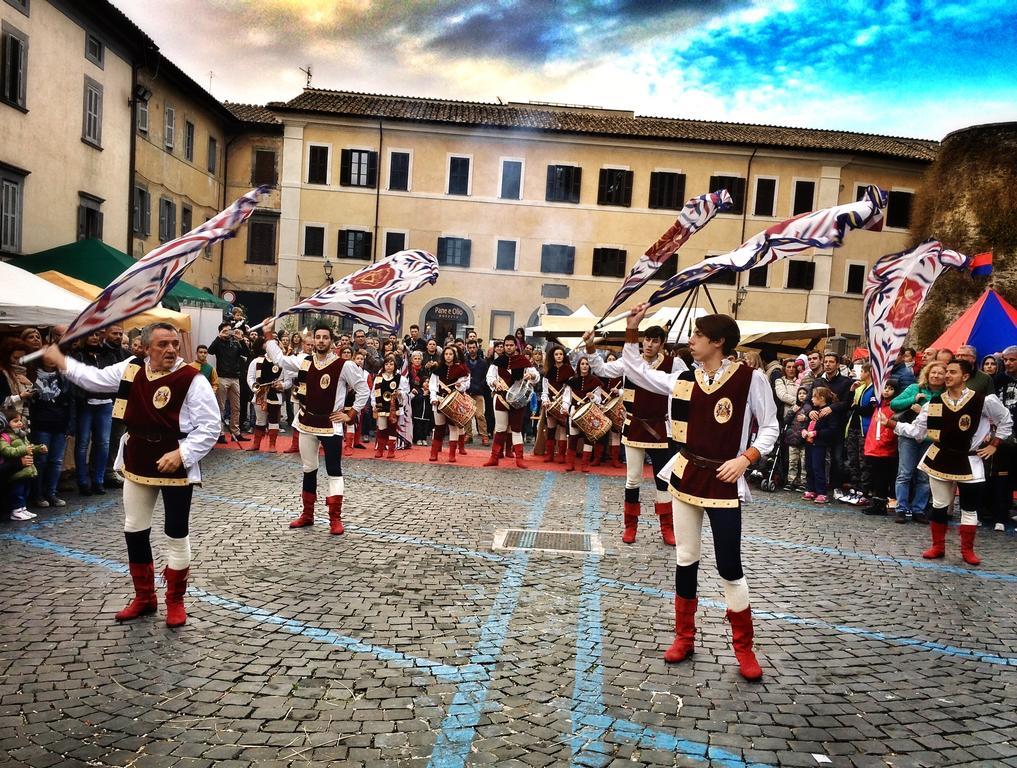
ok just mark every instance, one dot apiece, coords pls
pixel 772 475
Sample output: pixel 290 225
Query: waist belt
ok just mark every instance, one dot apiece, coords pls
pixel 700 461
pixel 957 451
pixel 156 437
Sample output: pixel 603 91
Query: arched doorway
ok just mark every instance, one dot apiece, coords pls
pixel 552 309
pixel 446 317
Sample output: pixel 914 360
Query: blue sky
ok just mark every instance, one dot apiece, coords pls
pixel 902 67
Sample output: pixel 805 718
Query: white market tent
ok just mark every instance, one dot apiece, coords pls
pixel 756 334
pixel 26 299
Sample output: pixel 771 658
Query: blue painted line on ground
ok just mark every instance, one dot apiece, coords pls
pixel 949 650
pixel 458 729
pixel 924 565
pixel 446 672
pixel 588 710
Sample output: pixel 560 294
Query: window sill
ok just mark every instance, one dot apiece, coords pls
pixel 260 263
pixel 357 186
pixel 15 105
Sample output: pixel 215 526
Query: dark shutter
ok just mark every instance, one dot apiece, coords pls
pixel 365 246
pixel 570 259
pixel 602 184
pixel 317 165
pixel 898 210
pixel 655 190
pixel 345 167
pixel 146 213
pixel 372 169
pixel 442 249
pixel 162 220
pixel 98 225
pixel 399 171
pixel 82 225
pixel 549 191
pixel 805 192
pixel 577 178
pixel 758 276
pixel 394 242
pixel 467 252
pixel 171 220
pixel 765 191
pixel 264 167
pixel 626 190
pixel 343 245
pixel 735 187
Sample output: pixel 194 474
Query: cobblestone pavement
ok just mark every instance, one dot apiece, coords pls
pixel 410 641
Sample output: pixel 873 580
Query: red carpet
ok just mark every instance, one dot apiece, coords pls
pixel 475 457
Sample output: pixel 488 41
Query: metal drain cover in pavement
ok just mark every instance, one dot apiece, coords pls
pixel 548 541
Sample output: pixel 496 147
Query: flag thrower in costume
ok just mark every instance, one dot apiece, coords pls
pixel 824 228
pixel 144 283
pixel 894 292
pixel 374 295
pixel 697 213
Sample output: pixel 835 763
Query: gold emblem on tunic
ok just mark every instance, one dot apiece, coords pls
pixel 275 369
pixel 723 410
pixel 964 423
pixel 324 381
pixel 161 397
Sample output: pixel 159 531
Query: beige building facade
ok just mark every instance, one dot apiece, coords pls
pixel 65 118
pixel 534 208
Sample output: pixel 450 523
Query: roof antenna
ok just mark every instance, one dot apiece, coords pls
pixel 308 73
pixel 211 74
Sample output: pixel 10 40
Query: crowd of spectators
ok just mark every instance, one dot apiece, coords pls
pixel 56 438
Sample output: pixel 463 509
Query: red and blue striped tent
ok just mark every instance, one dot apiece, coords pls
pixel 989 325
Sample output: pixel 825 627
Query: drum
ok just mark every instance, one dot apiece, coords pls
pixel 592 421
pixel 519 394
pixel 614 409
pixel 458 408
pixel 556 408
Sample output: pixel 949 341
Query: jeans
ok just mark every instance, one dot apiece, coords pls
pixel 18 494
pixel 94 423
pixel 815 481
pixel 909 453
pixel 49 464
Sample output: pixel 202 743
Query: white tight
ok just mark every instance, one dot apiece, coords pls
pixel 139 503
pixel 440 420
pixel 501 424
pixel 688 532
pixel 943 492
pixel 309 459
pixel 634 460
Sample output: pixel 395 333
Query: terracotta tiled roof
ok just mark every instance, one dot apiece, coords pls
pixel 251 113
pixel 604 122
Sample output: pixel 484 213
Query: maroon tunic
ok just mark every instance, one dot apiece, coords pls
pixel 317 393
pixel 708 419
pixel 510 373
pixel 646 412
pixel 951 432
pixel 152 422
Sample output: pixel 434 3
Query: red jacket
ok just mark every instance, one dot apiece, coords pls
pixel 886 443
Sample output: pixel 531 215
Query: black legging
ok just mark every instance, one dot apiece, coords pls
pixel 726 525
pixel 177 501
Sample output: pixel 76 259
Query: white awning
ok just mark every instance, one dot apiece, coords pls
pixel 26 299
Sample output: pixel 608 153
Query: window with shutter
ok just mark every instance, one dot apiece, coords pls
pixel 735 185
pixel 766 197
pixel 608 262
pixel 459 175
pixel 91 129
pixel 10 211
pixel 261 240
pixel 354 244
pixel 213 154
pixel 89 216
pixel 314 241
pixel 142 211
pixel 317 164
pixel 189 141
pixel 898 210
pixel 511 179
pixel 805 194
pixel 559 259
pixel 666 270
pixel 142 115
pixel 264 167
pixel 394 242
pixel 800 274
pixel 399 171
pixel 855 279
pixel 667 190
pixel 454 251
pixel 722 277
pixel 169 128
pixel 505 258
pixel 563 183
pixel 13 65
pixel 615 187
pixel 185 219
pixel 759 276
pixel 167 220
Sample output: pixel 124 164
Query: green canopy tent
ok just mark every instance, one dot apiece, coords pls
pixel 99 264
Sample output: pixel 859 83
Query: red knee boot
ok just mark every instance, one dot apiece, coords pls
pixel 598 454
pixel 631 519
pixel 176 586
pixel 938 548
pixel 613 451
pixel 273 435
pixel 259 435
pixel 462 444
pixel 664 513
pixel 684 630
pixel 335 512
pixel 308 498
pixel 548 451
pixel 967 544
pixel 570 455
pixel 584 462
pixel 391 448
pixel 741 640
pixel 435 447
pixel 496 446
pixel 294 443
pixel 518 451
pixel 453 445
pixel 145 600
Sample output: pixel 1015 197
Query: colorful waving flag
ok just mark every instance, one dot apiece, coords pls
pixel 981 264
pixel 144 283
pixel 696 214
pixel 824 228
pixel 894 292
pixel 374 295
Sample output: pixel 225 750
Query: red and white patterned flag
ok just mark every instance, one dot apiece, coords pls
pixel 144 283
pixel 374 295
pixel 894 292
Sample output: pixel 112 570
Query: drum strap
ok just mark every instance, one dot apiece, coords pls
pixel 648 428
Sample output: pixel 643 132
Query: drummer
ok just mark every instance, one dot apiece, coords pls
pixel 557 372
pixel 391 394
pixel 581 389
pixel 507 370
pixel 451 374
pixel 646 433
pixel 613 438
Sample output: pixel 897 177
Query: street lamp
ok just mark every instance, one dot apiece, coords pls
pixel 741 294
pixel 328 271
